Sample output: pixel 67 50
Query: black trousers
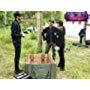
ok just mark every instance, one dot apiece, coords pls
pixel 62 59
pixel 17 46
pixel 81 39
pixel 48 46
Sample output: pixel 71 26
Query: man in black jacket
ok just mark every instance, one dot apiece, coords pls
pixel 16 39
pixel 82 34
pixel 48 35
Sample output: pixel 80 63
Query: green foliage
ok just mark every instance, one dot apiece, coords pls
pixel 33 35
pixel 46 16
pixel 56 15
pixel 28 14
pixel 9 18
pixel 2 18
pixel 7 38
pixel 59 16
pixel 6 18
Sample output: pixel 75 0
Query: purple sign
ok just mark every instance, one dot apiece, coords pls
pixel 76 16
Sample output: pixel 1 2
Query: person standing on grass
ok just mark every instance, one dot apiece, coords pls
pixel 60 42
pixel 82 34
pixel 16 39
pixel 48 35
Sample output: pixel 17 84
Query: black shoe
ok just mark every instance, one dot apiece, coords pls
pixel 59 65
pixel 61 68
pixel 18 71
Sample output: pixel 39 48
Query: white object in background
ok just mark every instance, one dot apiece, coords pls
pixel 30 28
pixel 35 29
pixel 46 25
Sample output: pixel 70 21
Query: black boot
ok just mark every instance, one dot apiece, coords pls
pixel 62 68
pixel 59 65
pixel 18 71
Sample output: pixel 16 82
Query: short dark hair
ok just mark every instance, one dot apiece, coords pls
pixel 17 13
pixel 60 23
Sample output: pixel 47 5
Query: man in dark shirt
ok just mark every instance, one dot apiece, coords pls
pixel 16 39
pixel 60 42
pixel 82 34
pixel 48 35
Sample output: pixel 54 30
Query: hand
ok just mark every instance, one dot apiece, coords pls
pixel 23 35
pixel 57 48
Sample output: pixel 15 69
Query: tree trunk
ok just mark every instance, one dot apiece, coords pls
pixel 39 28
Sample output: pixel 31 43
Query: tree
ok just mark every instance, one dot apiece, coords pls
pixel 2 19
pixel 9 18
pixel 39 28
pixel 58 15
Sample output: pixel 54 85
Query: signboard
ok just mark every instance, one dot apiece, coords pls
pixel 76 16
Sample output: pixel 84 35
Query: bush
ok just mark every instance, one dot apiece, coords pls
pixel 5 36
pixel 33 35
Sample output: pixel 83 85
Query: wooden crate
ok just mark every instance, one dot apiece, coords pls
pixel 39 69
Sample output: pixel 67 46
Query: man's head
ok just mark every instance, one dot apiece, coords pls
pixel 17 16
pixel 51 22
pixel 60 23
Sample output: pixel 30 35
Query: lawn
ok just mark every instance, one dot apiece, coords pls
pixel 77 59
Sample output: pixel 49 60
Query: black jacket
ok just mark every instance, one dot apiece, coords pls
pixel 48 34
pixel 59 38
pixel 15 30
pixel 82 33
pixel 63 30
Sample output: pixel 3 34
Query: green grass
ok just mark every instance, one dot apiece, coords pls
pixel 77 60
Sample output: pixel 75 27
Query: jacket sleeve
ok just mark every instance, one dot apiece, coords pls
pixel 43 34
